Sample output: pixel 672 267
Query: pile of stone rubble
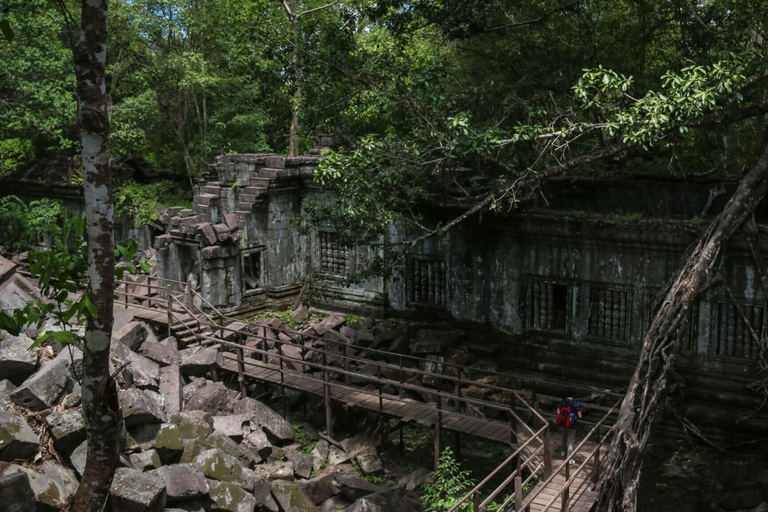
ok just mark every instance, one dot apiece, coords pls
pixel 188 443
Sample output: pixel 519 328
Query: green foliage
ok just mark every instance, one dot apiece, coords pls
pixel 630 218
pixel 13 153
pixel 451 483
pixel 304 436
pixel 353 319
pixel 283 316
pixel 61 274
pixel 142 201
pixel 23 225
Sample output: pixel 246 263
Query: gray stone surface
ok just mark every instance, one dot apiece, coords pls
pixel 67 429
pixel 45 387
pixel 134 491
pixel 16 493
pixel 17 439
pixel 17 362
pixel 6 387
pixel 320 454
pixel 266 418
pixel 145 461
pixel 354 487
pixel 52 484
pixel 220 466
pixel 171 386
pixel 369 461
pixel 162 354
pixel 182 482
pixel 233 425
pixel 230 497
pixel 302 462
pixel 320 489
pixel 274 471
pixel 385 501
pixel 416 479
pixel 262 490
pixel 78 457
pixel 199 361
pixel 145 373
pixel 257 441
pixel 213 398
pixel 132 334
pixel 291 496
pixel 141 406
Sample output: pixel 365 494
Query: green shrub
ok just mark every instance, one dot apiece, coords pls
pixel 451 483
pixel 142 201
pixel 22 226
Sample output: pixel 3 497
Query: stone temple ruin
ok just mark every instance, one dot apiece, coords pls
pixel 563 290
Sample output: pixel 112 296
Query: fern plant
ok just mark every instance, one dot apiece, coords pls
pixel 451 483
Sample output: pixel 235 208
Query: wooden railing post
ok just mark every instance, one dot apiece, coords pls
pixel 438 428
pixel 241 367
pixel 381 401
pixel 596 475
pixel 547 454
pixel 518 491
pixel 565 496
pixel 282 376
pixel 170 309
pixel 149 292
pixel 347 364
pixel 327 397
pixel 476 502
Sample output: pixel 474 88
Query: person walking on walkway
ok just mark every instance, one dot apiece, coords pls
pixel 568 414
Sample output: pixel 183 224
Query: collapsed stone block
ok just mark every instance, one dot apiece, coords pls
pixel 162 353
pixel 44 388
pixel 230 497
pixel 52 484
pixel 132 334
pixel 6 387
pixel 134 491
pixel 213 398
pixel 17 362
pixel 67 429
pixel 171 386
pixel 265 418
pixel 17 439
pixel 16 493
pixel 141 406
pixel 146 460
pixel 198 362
pixel 182 482
pixel 220 466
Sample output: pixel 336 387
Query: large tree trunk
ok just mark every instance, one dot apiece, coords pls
pixel 648 390
pixel 293 133
pixel 100 410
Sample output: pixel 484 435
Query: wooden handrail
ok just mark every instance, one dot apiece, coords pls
pixel 576 450
pixel 493 473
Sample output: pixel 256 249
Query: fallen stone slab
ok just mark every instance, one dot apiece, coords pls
pixel 17 362
pixel 334 504
pixel 141 406
pixel 17 439
pixel 182 482
pixel 369 461
pixel 262 490
pixel 354 487
pixel 302 462
pixel 199 361
pixel 44 388
pixel 415 480
pixel 16 493
pixel 385 501
pixel 52 484
pixel 170 341
pixel 291 496
pixel 230 497
pixel 187 506
pixel 257 441
pixel 78 457
pixel 265 418
pixel 220 466
pixel 338 456
pixel 332 322
pixel 213 398
pixel 320 454
pixel 300 314
pixel 145 461
pixel 320 489
pixel 145 373
pixel 274 471
pixel 235 426
pixel 6 387
pixel 67 429
pixel 134 491
pixel 162 354
pixel 132 334
pixel 171 386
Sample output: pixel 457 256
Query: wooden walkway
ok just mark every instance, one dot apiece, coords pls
pixel 405 409
pixel 462 415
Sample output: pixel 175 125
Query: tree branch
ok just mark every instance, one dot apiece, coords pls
pixel 315 9
pixel 533 21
